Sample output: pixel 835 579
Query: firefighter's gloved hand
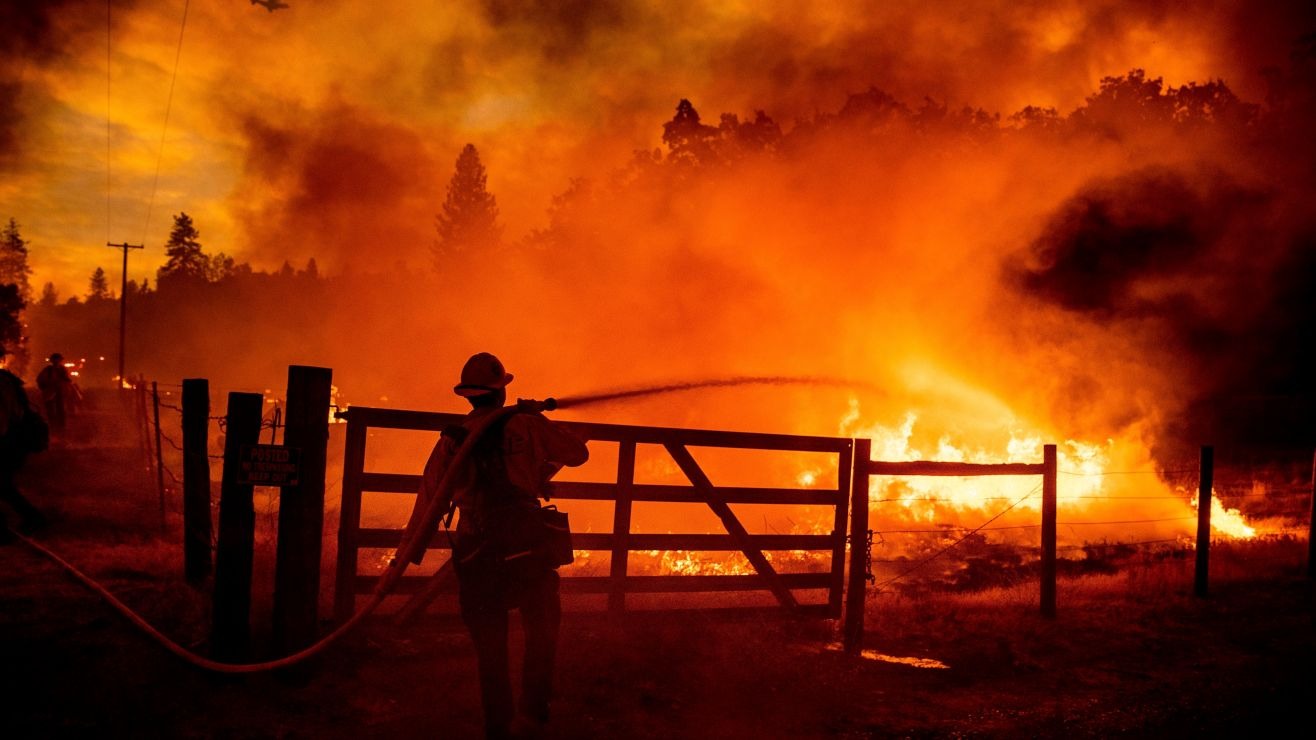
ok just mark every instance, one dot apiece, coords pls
pixel 531 406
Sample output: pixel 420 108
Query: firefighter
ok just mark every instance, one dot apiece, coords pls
pixel 58 393
pixel 15 444
pixel 495 553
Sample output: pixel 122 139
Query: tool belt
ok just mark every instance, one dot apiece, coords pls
pixel 518 537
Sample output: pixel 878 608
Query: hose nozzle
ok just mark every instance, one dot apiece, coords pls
pixel 530 405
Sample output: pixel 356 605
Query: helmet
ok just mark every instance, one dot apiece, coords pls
pixel 482 374
pixel 57 357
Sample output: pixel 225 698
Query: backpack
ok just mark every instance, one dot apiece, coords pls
pixel 515 530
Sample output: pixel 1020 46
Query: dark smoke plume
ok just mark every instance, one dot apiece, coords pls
pixel 39 35
pixel 1215 279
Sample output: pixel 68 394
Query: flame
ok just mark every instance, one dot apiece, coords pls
pixel 1228 522
pixel 1094 501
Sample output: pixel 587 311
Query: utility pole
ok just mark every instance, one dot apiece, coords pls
pixel 123 299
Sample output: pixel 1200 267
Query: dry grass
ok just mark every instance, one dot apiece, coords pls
pixel 1131 651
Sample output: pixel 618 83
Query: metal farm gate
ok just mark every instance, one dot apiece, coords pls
pixel 623 491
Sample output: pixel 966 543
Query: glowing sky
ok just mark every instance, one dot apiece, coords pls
pixel 329 129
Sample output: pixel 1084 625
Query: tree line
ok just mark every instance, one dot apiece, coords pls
pixel 467 227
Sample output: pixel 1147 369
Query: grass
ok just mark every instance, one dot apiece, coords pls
pixel 1132 650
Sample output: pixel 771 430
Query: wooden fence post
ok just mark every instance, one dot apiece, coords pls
pixel 139 397
pixel 159 453
pixel 1205 480
pixel 1048 590
pixel 836 589
pixel 231 625
pixel 196 479
pixel 1311 524
pixel 621 527
pixel 855 597
pixel 349 520
pixel 301 511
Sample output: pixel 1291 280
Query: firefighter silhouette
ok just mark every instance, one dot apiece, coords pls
pixel 499 563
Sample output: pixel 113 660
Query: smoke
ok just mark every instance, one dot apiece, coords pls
pixel 547 91
pixel 38 36
pixel 341 185
pixel 1212 278
pixel 1114 237
pixel 879 238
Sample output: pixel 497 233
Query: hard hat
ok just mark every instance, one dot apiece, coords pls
pixel 482 374
pixel 56 357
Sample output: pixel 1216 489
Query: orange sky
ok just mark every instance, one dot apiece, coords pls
pixel 389 92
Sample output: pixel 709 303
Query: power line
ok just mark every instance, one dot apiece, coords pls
pixel 108 46
pixel 168 107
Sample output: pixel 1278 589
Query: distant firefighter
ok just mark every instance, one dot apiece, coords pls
pixel 500 554
pixel 22 431
pixel 58 393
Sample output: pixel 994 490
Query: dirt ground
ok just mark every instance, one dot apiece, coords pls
pixel 1135 655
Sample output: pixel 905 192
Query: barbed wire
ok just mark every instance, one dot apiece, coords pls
pixel 951 527
pixel 1069 548
pixel 1128 472
pixel 171 442
pixel 952 545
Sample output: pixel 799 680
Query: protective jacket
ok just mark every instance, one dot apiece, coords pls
pixel 532 449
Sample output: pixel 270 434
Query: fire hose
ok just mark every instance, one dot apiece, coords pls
pixel 434 510
pixel 397 566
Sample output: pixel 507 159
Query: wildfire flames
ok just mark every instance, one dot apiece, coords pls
pixel 1096 502
pixel 1085 224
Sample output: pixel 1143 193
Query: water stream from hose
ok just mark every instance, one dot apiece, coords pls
pixel 626 394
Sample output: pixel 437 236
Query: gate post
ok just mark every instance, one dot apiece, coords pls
pixel 853 636
pixel 196 479
pixel 231 625
pixel 621 527
pixel 836 588
pixel 1205 481
pixel 1048 531
pixel 349 519
pixel 301 510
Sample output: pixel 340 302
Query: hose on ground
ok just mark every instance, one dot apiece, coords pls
pixel 411 542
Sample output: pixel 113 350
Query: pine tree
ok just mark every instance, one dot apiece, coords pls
pixel 187 264
pixel 14 269
pixel 469 220
pixel 99 288
pixel 11 327
pixel 49 296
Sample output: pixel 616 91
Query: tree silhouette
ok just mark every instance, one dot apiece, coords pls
pixel 14 269
pixel 469 219
pixel 187 264
pixel 99 288
pixel 49 296
pixel 11 328
pixel 688 140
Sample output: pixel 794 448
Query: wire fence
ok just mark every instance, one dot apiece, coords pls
pixel 161 446
pixel 1232 484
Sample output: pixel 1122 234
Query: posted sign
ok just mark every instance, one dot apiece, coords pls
pixel 269 465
